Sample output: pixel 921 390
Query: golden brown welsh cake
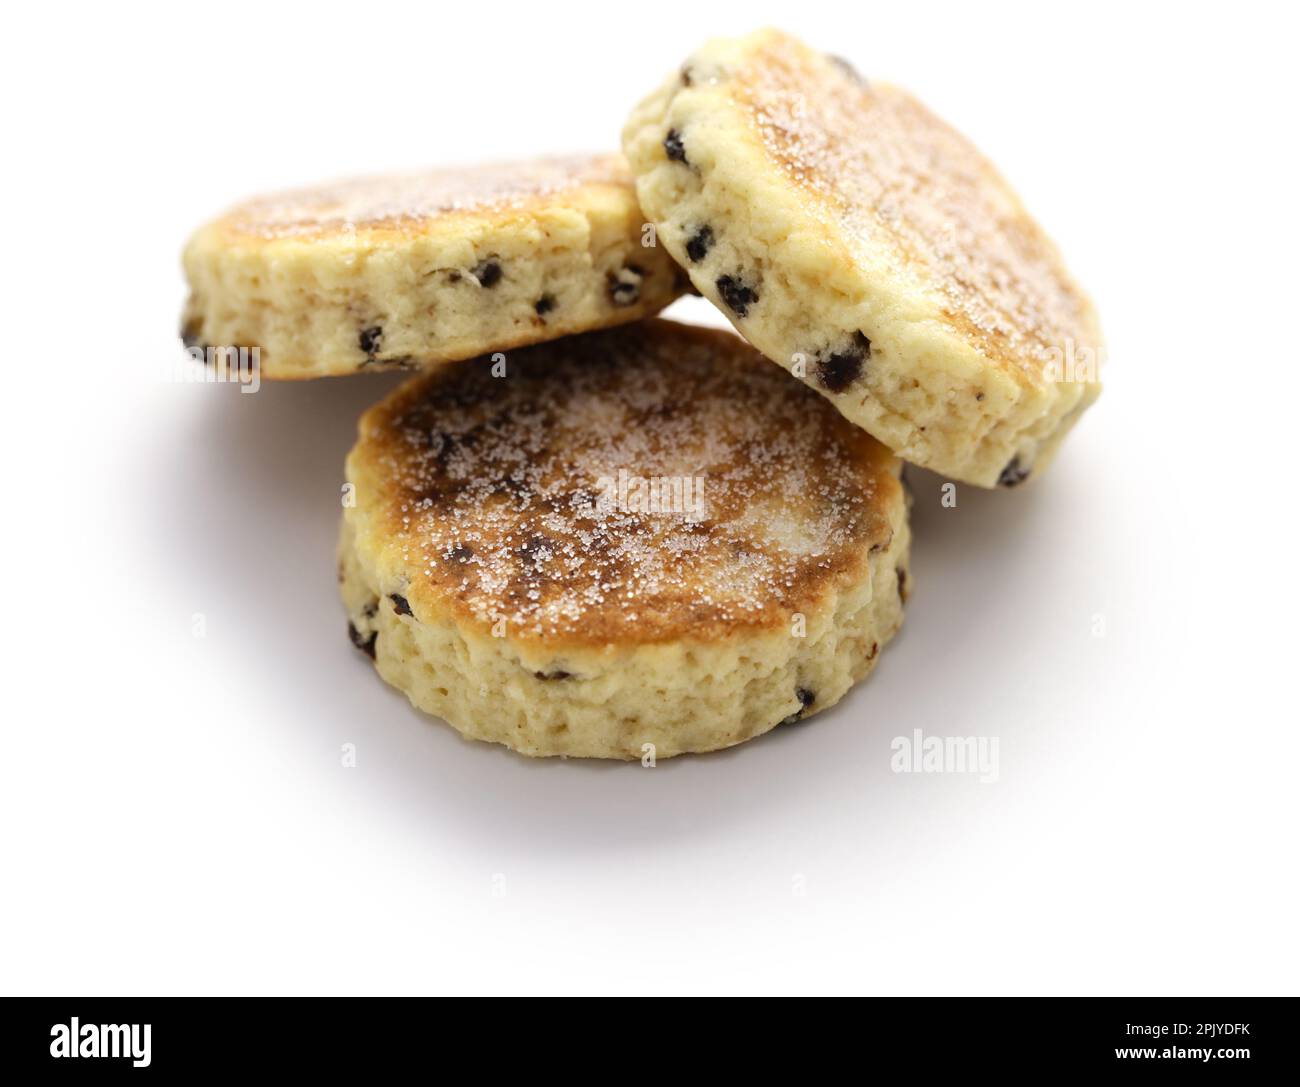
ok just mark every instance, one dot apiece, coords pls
pixel 863 244
pixel 401 271
pixel 640 541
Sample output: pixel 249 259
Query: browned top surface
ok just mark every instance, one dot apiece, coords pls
pixel 411 201
pixel 907 192
pixel 488 490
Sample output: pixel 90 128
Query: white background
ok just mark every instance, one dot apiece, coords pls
pixel 175 817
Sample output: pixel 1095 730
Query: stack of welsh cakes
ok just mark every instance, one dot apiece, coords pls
pixel 582 530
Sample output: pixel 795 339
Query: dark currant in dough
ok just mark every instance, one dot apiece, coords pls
pixel 400 604
pixel 806 699
pixel 1013 474
pixel 544 305
pixel 673 147
pixel 737 294
pixel 532 550
pixel 488 273
pixel 840 369
pixel 699 244
pixel 362 642
pixel 370 339
pixel 625 287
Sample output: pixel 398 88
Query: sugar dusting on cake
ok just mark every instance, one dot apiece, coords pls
pixel 909 192
pixel 496 499
pixel 406 200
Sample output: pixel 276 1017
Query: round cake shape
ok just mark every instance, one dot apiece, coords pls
pixel 640 541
